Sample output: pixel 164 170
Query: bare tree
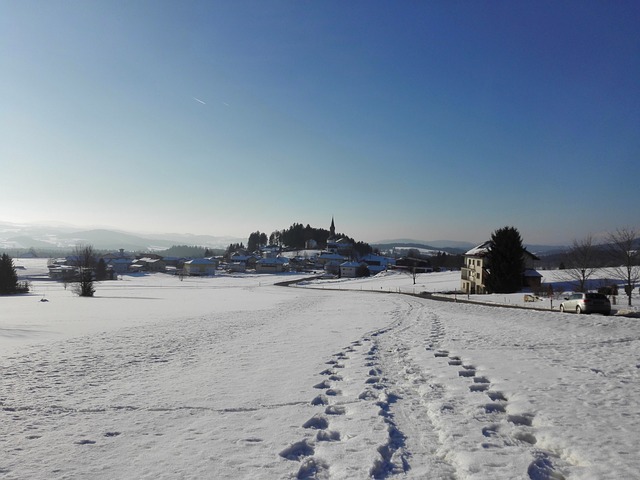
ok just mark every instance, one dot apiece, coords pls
pixel 582 262
pixel 85 261
pixel 623 248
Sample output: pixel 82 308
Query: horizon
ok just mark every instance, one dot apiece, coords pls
pixel 434 242
pixel 428 120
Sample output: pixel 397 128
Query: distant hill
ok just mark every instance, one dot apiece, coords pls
pixel 432 244
pixel 546 249
pixel 14 236
pixel 423 247
pixel 455 247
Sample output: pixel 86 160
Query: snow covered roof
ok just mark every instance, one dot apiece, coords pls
pixel 480 250
pixel 120 260
pixel 350 264
pixel 330 256
pixel 200 261
pixel 273 260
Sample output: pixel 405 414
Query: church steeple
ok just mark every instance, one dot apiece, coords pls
pixel 332 228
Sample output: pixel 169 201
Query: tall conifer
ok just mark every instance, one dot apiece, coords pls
pixel 506 261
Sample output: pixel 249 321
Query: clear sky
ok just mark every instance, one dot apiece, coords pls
pixel 403 119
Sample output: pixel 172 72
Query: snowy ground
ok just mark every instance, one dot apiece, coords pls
pixel 233 377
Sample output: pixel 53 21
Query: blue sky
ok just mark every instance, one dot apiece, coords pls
pixel 425 120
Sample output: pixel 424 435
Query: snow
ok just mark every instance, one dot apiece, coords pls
pixel 235 377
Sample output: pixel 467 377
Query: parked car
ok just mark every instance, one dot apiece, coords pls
pixel 586 303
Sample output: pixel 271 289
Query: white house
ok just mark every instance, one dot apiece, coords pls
pixel 119 265
pixel 203 267
pixel 272 265
pixel 476 270
pixel 326 257
pixel 249 261
pixel 350 269
pixel 237 267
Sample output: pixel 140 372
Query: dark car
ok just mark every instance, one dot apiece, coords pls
pixel 586 303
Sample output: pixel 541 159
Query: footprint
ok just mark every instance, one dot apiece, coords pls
pixel 526 438
pixel 335 410
pixel 467 373
pixel 85 442
pixel 481 380
pixel 112 434
pixel 320 400
pixel 312 468
pixel 371 380
pixel 455 363
pixel 328 436
pixel 494 408
pixel 490 430
pixel 441 353
pixel 368 395
pixel 327 371
pixel 335 378
pixel 542 469
pixel 479 387
pixel 525 419
pixel 333 392
pixel 297 451
pixel 497 396
pixel 323 384
pixel 318 422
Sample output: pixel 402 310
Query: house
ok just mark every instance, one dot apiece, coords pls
pixel 350 269
pixel 62 272
pixel 272 265
pixel 476 270
pixel 203 267
pixel 270 251
pixel 332 267
pixel 326 257
pixel 378 263
pixel 237 267
pixel 414 264
pixel 149 264
pixel 249 261
pixel 176 262
pixel 118 262
pixel 119 266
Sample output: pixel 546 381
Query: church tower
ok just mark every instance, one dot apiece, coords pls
pixel 332 229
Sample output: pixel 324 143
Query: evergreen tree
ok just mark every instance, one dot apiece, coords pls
pixel 255 241
pixel 506 261
pixel 101 270
pixel 8 276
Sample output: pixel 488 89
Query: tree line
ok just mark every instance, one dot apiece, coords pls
pixel 295 238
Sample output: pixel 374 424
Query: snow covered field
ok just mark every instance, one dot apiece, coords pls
pixel 234 377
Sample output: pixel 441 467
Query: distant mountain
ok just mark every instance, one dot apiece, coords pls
pixel 20 236
pixel 424 248
pixel 434 244
pixel 454 247
pixel 546 249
